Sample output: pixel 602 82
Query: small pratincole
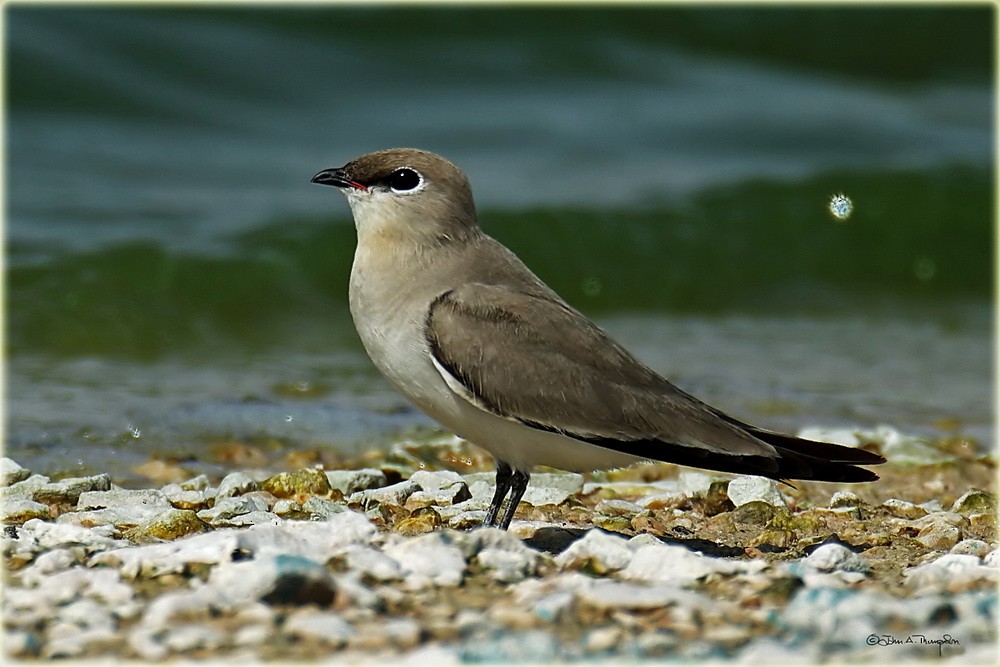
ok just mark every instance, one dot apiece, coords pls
pixel 470 335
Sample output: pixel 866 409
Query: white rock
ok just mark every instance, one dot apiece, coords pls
pixel 695 484
pixel 68 490
pixel 427 560
pixel 323 626
pixel 616 507
pixel 548 488
pixel 47 535
pixel 323 508
pixel 836 557
pixel 992 558
pixel 844 499
pixel 123 498
pixel 394 494
pixel 57 559
pixel 24 489
pixel 950 569
pixel 904 509
pixel 227 507
pixel 976 548
pixel 11 472
pixel 506 566
pixel 436 480
pixel 16 510
pixel 608 594
pixel 352 481
pixel 674 564
pixel 598 551
pixel 748 488
pixel 235 484
pixel 370 562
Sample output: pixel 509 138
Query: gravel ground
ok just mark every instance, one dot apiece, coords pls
pixel 382 560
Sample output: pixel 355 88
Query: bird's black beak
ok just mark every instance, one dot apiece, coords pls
pixel 338 178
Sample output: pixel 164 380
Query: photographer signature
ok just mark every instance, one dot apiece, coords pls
pixel 890 640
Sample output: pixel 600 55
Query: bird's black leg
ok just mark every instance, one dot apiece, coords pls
pixel 518 483
pixel 503 486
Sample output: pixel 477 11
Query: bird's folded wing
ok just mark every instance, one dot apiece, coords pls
pixel 534 359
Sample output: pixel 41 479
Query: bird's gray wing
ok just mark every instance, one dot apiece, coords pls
pixel 533 359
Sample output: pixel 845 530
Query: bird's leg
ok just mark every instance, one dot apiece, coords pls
pixel 503 486
pixel 518 484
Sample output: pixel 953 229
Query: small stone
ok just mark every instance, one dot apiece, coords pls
pixel 754 513
pixel 552 488
pixel 428 560
pixel 235 484
pixel 15 511
pixel 320 508
pixel 423 520
pixel 168 525
pixel 974 501
pixel 608 594
pixel 507 567
pixel 746 489
pixel 67 491
pixel 845 499
pixel 597 552
pixel 188 499
pixel 394 495
pixel 950 570
pixel 230 507
pixel 616 507
pixel 369 562
pixel 11 472
pixel 196 483
pixel 323 626
pixel 976 548
pixel 25 489
pixel 352 481
pixel 285 507
pixel 123 499
pixel 695 484
pixel 833 557
pixel 298 485
pixel 903 509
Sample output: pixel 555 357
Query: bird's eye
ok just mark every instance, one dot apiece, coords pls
pixel 403 179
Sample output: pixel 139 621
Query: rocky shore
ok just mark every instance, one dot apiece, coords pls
pixel 376 562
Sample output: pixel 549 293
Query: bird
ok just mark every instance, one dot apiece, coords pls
pixel 464 330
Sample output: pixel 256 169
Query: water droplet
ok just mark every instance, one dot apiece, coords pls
pixel 288 418
pixel 841 206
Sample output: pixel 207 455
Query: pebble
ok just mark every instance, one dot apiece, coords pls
pixel 552 488
pixel 836 557
pixel 18 510
pixel 11 472
pixel 352 481
pixel 228 507
pixel 973 501
pixel 746 489
pixel 950 570
pixel 677 565
pixel 598 552
pixel 67 491
pixel 235 484
pixel 394 494
pixel 428 560
pixel 903 509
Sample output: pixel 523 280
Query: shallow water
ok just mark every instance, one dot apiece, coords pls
pixel 173 278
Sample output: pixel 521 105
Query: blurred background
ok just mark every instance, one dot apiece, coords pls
pixel 173 280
